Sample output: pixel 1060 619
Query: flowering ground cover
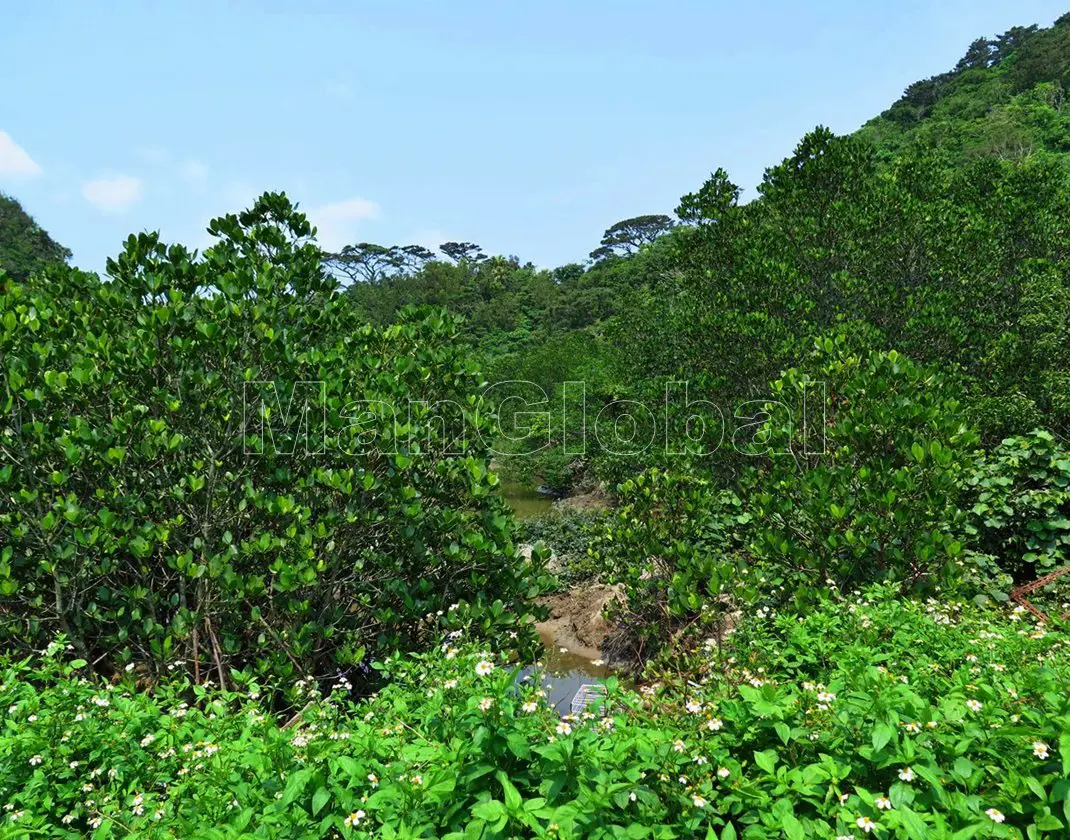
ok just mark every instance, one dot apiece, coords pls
pixel 870 716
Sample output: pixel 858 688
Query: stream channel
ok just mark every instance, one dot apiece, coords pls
pixel 563 672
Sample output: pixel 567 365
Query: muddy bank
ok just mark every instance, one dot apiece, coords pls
pixel 576 620
pixel 596 499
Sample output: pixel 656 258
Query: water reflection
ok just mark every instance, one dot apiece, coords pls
pixel 523 499
pixel 562 673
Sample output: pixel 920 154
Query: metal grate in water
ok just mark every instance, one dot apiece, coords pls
pixel 587 694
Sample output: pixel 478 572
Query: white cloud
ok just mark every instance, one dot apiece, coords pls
pixel 195 174
pixel 14 160
pixel 337 223
pixel 113 194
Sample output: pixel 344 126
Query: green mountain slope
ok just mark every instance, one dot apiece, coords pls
pixel 1007 97
pixel 25 247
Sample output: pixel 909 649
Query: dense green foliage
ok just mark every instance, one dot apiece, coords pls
pixel 25 248
pixel 672 545
pixel 1022 503
pixel 1005 97
pixel 873 494
pixel 249 479
pixel 257 577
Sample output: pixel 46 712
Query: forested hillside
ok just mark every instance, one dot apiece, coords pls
pixel 938 229
pixel 258 578
pixel 1005 97
pixel 24 246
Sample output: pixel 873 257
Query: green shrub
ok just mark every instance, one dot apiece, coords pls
pixel 1022 508
pixel 671 544
pixel 877 495
pixel 172 488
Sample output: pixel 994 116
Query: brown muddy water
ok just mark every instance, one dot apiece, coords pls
pixel 561 671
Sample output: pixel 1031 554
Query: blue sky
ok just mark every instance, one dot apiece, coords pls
pixel 526 127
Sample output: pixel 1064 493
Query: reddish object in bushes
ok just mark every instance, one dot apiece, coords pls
pixel 1019 592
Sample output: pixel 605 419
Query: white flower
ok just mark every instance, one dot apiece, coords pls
pixel 906 774
pixel 417 780
pixel 995 815
pixel 148 739
pixel 68 818
pixel 912 728
pixel 529 707
pixel 598 663
pixel 564 728
pixel 699 801
pixel 484 667
pixel 865 823
pixel 825 697
pixel 724 772
pixel 1040 749
pixel 373 779
pixel 714 724
pixel 883 803
pixel 678 745
pixel 354 819
pixel 452 652
pixel 632 797
pixel 693 707
pixel 485 704
pixel 973 705
pixel 35 760
pixel 449 684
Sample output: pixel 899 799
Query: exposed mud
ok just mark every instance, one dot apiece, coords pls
pixel 576 620
pixel 596 499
